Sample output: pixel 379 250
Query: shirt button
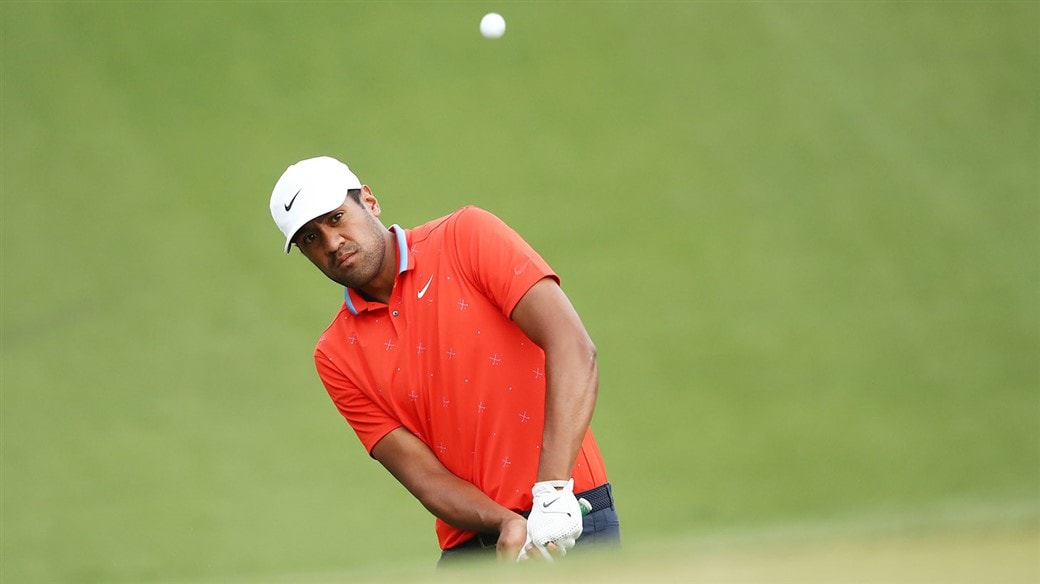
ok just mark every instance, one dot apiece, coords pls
pixel 395 313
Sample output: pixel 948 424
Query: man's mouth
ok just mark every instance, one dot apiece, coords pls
pixel 344 258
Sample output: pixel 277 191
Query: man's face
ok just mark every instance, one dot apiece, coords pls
pixel 348 244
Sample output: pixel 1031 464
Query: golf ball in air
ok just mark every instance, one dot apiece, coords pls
pixel 492 26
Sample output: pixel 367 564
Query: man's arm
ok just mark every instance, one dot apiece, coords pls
pixel 546 316
pixel 453 500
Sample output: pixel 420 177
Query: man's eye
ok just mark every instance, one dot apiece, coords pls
pixel 308 238
pixel 335 218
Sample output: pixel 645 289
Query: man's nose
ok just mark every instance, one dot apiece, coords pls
pixel 332 239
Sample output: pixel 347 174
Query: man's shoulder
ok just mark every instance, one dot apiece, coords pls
pixel 467 213
pixel 473 214
pixel 466 218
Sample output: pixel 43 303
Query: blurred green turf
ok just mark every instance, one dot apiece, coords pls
pixel 803 235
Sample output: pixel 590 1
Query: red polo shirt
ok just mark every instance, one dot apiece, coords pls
pixel 444 360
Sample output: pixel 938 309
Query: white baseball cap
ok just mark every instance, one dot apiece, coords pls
pixel 308 189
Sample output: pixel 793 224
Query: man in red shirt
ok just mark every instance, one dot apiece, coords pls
pixel 460 364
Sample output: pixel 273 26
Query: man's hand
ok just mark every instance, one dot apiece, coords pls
pixel 511 539
pixel 555 519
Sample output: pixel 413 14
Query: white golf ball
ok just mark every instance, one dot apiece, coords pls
pixel 492 26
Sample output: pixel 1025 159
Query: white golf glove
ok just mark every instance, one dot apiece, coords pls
pixel 555 517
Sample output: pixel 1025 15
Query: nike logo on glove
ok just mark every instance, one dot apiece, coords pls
pixel 292 200
pixel 546 505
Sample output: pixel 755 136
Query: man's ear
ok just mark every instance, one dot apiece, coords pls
pixel 369 200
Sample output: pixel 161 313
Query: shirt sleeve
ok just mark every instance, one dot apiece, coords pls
pixel 496 259
pixel 367 418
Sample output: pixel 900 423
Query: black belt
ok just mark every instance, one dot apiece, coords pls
pixel 599 498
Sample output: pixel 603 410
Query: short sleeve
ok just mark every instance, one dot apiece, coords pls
pixel 496 259
pixel 369 420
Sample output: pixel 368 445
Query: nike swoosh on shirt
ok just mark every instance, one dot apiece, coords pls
pixel 426 287
pixel 292 200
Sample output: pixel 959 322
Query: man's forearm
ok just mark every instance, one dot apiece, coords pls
pixel 572 384
pixel 546 316
pixel 461 504
pixel 450 498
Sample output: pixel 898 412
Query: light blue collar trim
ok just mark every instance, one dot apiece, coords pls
pixel 402 247
pixel 350 303
pixel 402 264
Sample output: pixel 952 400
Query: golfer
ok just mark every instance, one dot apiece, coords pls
pixel 460 364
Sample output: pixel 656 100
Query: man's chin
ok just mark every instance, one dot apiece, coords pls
pixel 346 280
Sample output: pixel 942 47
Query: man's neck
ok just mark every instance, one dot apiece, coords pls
pixel 380 288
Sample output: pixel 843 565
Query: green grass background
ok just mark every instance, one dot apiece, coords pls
pixel 804 237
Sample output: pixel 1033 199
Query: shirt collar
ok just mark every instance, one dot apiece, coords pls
pixel 355 303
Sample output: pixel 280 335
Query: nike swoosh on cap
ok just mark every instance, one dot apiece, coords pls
pixel 292 200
